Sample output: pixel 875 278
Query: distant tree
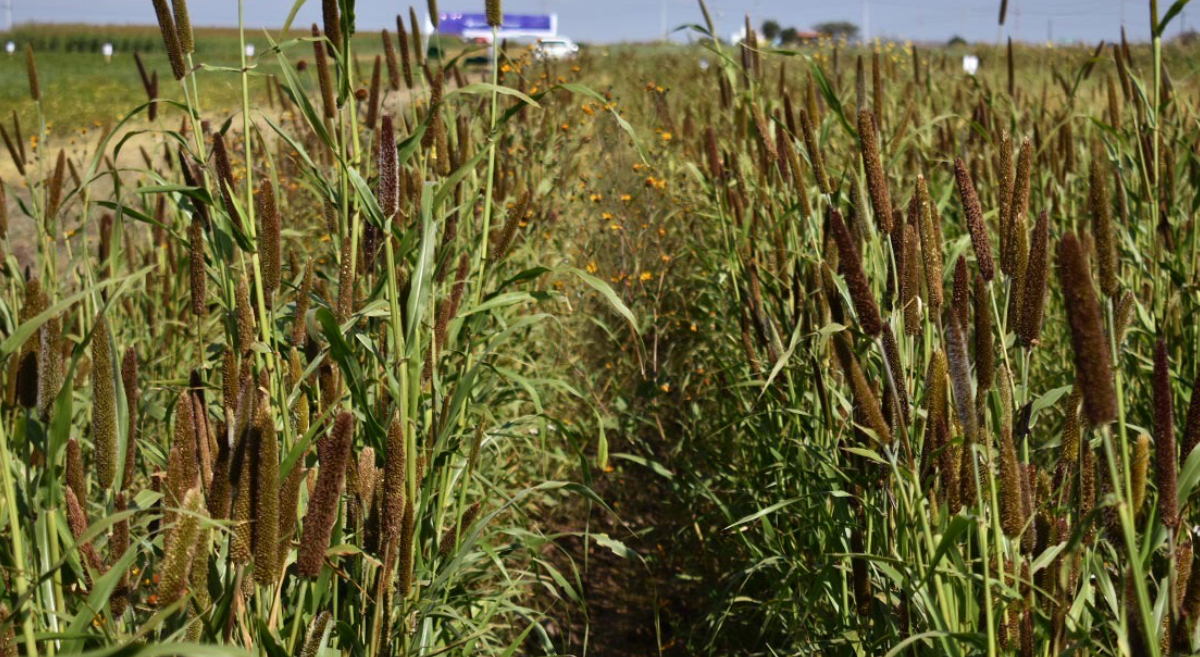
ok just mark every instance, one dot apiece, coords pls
pixel 1188 38
pixel 770 29
pixel 956 41
pixel 789 35
pixel 838 29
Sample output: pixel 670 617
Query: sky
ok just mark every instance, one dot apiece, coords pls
pixel 641 20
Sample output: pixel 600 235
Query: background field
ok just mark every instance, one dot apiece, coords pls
pixel 700 349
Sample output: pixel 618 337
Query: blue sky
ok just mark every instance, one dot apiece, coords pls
pixel 637 20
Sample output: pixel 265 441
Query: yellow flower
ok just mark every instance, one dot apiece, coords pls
pixel 591 267
pixel 666 387
pixel 647 276
pixel 607 216
pixel 666 136
pixel 625 198
pixel 596 198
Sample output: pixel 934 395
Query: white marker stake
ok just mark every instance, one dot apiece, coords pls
pixel 970 64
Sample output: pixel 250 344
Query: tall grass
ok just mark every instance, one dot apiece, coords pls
pixel 283 396
pixel 946 458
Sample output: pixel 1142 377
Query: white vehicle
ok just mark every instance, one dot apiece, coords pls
pixel 556 48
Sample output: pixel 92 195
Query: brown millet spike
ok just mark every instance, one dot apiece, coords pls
pixel 75 473
pixel 3 212
pixel 912 277
pixel 346 283
pixel 374 95
pixel 504 238
pixel 224 173
pixel 814 152
pixel 328 104
pixel 289 502
pixel 974 219
pixel 241 543
pixel 937 426
pixel 333 26
pixel 864 397
pixel 891 351
pixel 1071 432
pixel 960 301
pixel 1019 199
pixel 35 87
pixel 303 299
pixel 266 494
pixel 415 33
pixel 183 25
pixel 104 404
pixel 402 46
pixel 389 172
pixel 881 204
pixel 931 247
pixel 393 480
pixel 166 25
pixel 245 316
pixel 960 377
pixel 1033 298
pixel 1004 200
pixel 55 188
pixel 13 151
pixel 850 262
pixel 118 544
pixel 1093 369
pixel 77 520
pixel 176 565
pixel 269 239
pixel 1102 228
pixel 197 275
pixel 1141 465
pixel 389 56
pixel 333 453
pixel 26 379
pixel 1165 458
pixel 1012 513
pixel 49 366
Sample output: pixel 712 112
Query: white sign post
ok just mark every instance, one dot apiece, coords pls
pixel 107 49
pixel 970 64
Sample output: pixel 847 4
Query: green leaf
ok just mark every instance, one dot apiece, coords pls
pixel 655 467
pixel 487 88
pixel 1049 399
pixel 583 90
pixel 1189 476
pixel 958 526
pixel 831 99
pixel 1171 13
pixel 618 548
pixel 607 292
pixel 27 328
pixel 762 512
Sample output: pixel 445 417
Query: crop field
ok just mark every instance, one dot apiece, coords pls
pixel 346 348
